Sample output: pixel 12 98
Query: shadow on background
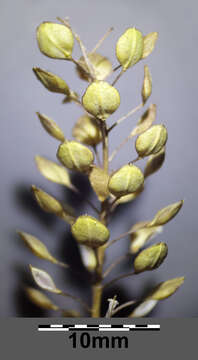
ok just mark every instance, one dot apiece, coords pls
pixel 68 251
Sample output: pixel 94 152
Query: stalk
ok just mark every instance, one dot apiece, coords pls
pixel 97 288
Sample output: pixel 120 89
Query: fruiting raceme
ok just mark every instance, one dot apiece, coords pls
pixel 100 99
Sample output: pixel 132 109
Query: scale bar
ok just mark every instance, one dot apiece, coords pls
pixel 100 327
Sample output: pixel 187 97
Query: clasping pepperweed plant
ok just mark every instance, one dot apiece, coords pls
pixel 81 155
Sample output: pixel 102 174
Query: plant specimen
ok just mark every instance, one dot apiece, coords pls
pixel 81 155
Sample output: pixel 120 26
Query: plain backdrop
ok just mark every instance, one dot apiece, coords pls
pixel 173 66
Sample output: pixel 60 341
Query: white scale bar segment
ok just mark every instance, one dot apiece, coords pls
pixel 53 329
pixel 56 326
pixel 114 329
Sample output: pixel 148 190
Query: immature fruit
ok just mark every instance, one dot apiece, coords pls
pixel 151 258
pixel 55 40
pixel 129 48
pixel 89 231
pixel 51 127
pixel 151 141
pixel 51 81
pixel 75 156
pixel 147 85
pixel 166 289
pixel 128 179
pixel 149 44
pixel 40 299
pixel 87 131
pixel 102 67
pixel 101 99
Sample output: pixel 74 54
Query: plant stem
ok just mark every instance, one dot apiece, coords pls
pixel 114 264
pixel 119 278
pixel 76 299
pixel 123 306
pixel 97 287
pixel 99 43
pixel 118 77
pixel 131 112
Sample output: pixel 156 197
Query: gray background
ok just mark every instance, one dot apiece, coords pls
pixel 173 68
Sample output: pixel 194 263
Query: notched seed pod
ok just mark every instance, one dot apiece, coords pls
pixel 40 299
pixel 154 163
pixel 149 44
pixel 44 280
pixel 129 48
pixel 102 67
pixel 51 127
pixel 101 99
pixel 55 40
pixel 47 202
pixel 75 156
pixel 151 141
pixel 128 179
pixel 87 131
pixel 166 289
pixel 147 85
pixel 89 231
pixel 151 258
pixel 51 81
pixel 166 214
pixel 99 179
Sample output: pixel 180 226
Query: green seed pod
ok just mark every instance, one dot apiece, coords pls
pixel 55 40
pixel 151 141
pixel 51 127
pixel 87 131
pixel 51 81
pixel 147 85
pixel 128 179
pixel 101 99
pixel 166 289
pixel 149 44
pixel 129 48
pixel 89 231
pixel 75 156
pixel 151 258
pixel 166 214
pixel 102 67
